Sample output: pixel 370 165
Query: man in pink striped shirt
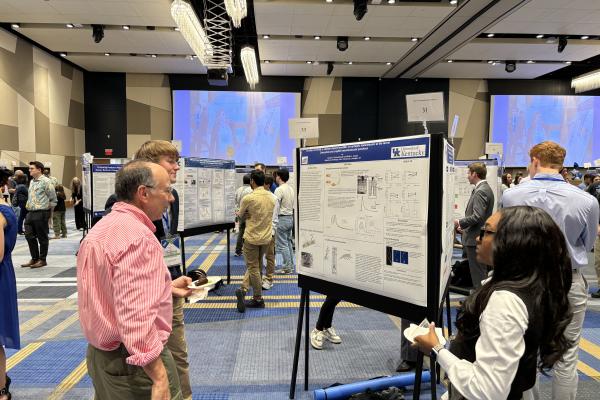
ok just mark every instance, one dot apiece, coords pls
pixel 124 292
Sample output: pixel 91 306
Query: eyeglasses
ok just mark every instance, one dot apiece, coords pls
pixel 483 232
pixel 168 190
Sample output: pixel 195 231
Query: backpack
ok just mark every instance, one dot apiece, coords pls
pixel 391 393
pixel 461 275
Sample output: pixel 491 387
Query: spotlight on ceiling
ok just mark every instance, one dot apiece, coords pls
pixel 15 26
pixel 360 9
pixel 329 67
pixel 342 43
pixel 510 66
pixel 97 33
pixel 562 43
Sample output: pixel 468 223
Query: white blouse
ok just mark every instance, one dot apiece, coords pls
pixel 498 350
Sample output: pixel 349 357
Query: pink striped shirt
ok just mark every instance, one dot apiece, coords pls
pixel 124 287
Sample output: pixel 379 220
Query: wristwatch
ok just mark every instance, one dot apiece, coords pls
pixel 437 348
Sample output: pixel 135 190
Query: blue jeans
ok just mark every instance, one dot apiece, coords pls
pixel 283 243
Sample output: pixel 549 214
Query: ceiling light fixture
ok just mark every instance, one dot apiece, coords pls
pixel 126 27
pixel 184 16
pixel 510 66
pixel 237 10
pixel 329 67
pixel 586 82
pixel 490 62
pixel 414 39
pixel 15 26
pixel 568 62
pixel 248 56
pixel 317 37
pixel 530 62
pixel 453 2
pixel 69 25
pixel 267 62
pixel 97 33
pixel 107 54
pixel 490 35
pixel 328 1
pixel 562 43
pixel 388 63
pixel 391 1
pixel 539 36
pixel 309 62
pixel 349 62
pixel 153 55
pixel 449 61
pixel 266 36
pixel 176 29
pixel 585 37
pixel 367 38
pixel 63 54
pixel 342 43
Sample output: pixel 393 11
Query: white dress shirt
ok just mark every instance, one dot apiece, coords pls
pixel 498 350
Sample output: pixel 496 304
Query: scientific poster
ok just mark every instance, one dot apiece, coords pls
pixel 363 216
pixel 208 190
pixel 86 193
pixel 103 185
pixel 448 187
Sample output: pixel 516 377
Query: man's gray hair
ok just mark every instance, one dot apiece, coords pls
pixel 130 177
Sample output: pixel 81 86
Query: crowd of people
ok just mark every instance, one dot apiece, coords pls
pixel 525 313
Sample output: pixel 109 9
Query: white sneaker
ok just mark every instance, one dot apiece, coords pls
pixel 316 339
pixel 266 285
pixel 332 336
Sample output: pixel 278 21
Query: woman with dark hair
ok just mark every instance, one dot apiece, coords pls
pixel 506 181
pixel 21 194
pixel 9 323
pixel 77 199
pixel 520 312
pixel 517 179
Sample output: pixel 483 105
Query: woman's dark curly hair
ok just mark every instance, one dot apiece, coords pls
pixel 530 255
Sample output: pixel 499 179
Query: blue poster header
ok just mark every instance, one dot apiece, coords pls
pixel 112 168
pixel 367 151
pixel 449 153
pixel 195 162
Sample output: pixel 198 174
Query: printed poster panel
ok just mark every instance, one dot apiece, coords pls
pixel 85 182
pixel 448 187
pixel 363 216
pixel 103 183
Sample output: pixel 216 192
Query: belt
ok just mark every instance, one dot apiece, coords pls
pixel 285 215
pixel 37 210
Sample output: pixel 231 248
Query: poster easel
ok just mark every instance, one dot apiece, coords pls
pixel 435 149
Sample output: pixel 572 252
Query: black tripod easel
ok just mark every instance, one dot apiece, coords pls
pixel 304 306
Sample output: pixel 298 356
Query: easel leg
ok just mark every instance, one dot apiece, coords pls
pixel 297 345
pixel 418 372
pixel 306 340
pixel 182 240
pixel 433 371
pixel 228 258
pixel 448 313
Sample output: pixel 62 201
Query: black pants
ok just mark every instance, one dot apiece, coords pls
pixel 326 313
pixel 407 352
pixel 240 236
pixel 36 230
pixel 79 216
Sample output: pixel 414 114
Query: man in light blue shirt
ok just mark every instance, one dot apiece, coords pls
pixel 576 213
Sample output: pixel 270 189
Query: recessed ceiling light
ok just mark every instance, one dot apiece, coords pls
pixel 69 25
pixel 490 35
pixel 126 27
pixel 266 36
pixel 388 63
pixel 391 1
pixel 349 62
pixel 453 2
pixel 267 62
pixel 539 36
pixel 490 62
pixel 309 62
pixel 317 37
pixel 494 63
pixel 63 54
pixel 449 61
pixel 367 38
pixel 568 62
pixel 107 54
pixel 530 62
pixel 176 29
pixel 328 1
pixel 414 39
pixel 585 37
pixel 15 26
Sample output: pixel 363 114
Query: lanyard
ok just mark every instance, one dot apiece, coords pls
pixel 165 218
pixel 548 179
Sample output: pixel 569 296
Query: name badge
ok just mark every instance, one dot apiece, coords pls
pixel 171 251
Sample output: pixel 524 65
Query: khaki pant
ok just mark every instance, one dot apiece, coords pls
pixel 597 258
pixel 270 256
pixel 114 379
pixel 59 224
pixel 178 347
pixel 253 255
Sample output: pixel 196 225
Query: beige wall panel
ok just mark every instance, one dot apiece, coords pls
pixel 330 129
pixel 473 126
pixel 79 137
pixel 134 142
pixel 59 91
pixel 161 98
pixel 160 123
pixel 62 140
pixel 146 80
pixel 47 61
pixel 57 164
pixel 10 159
pixel 466 87
pixel 317 96
pixel 42 133
pixel 334 106
pixel 138 118
pixel 139 94
pixel 8 41
pixel 26 125
pixel 40 89
pixel 9 110
pixel 25 157
pixel 9 137
pixel 16 69
pixel 77 86
pixel 69 171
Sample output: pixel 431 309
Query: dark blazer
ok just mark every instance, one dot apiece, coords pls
pixel 160 231
pixel 479 208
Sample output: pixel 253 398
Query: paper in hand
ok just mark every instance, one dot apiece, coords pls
pixel 422 329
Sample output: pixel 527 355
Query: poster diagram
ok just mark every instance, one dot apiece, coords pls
pixel 208 188
pixel 363 216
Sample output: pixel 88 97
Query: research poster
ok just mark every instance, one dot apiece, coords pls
pixel 463 189
pixel 363 216
pixel 86 167
pixel 206 189
pixel 103 185
pixel 448 186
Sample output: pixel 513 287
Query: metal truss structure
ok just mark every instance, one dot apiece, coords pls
pixel 218 29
